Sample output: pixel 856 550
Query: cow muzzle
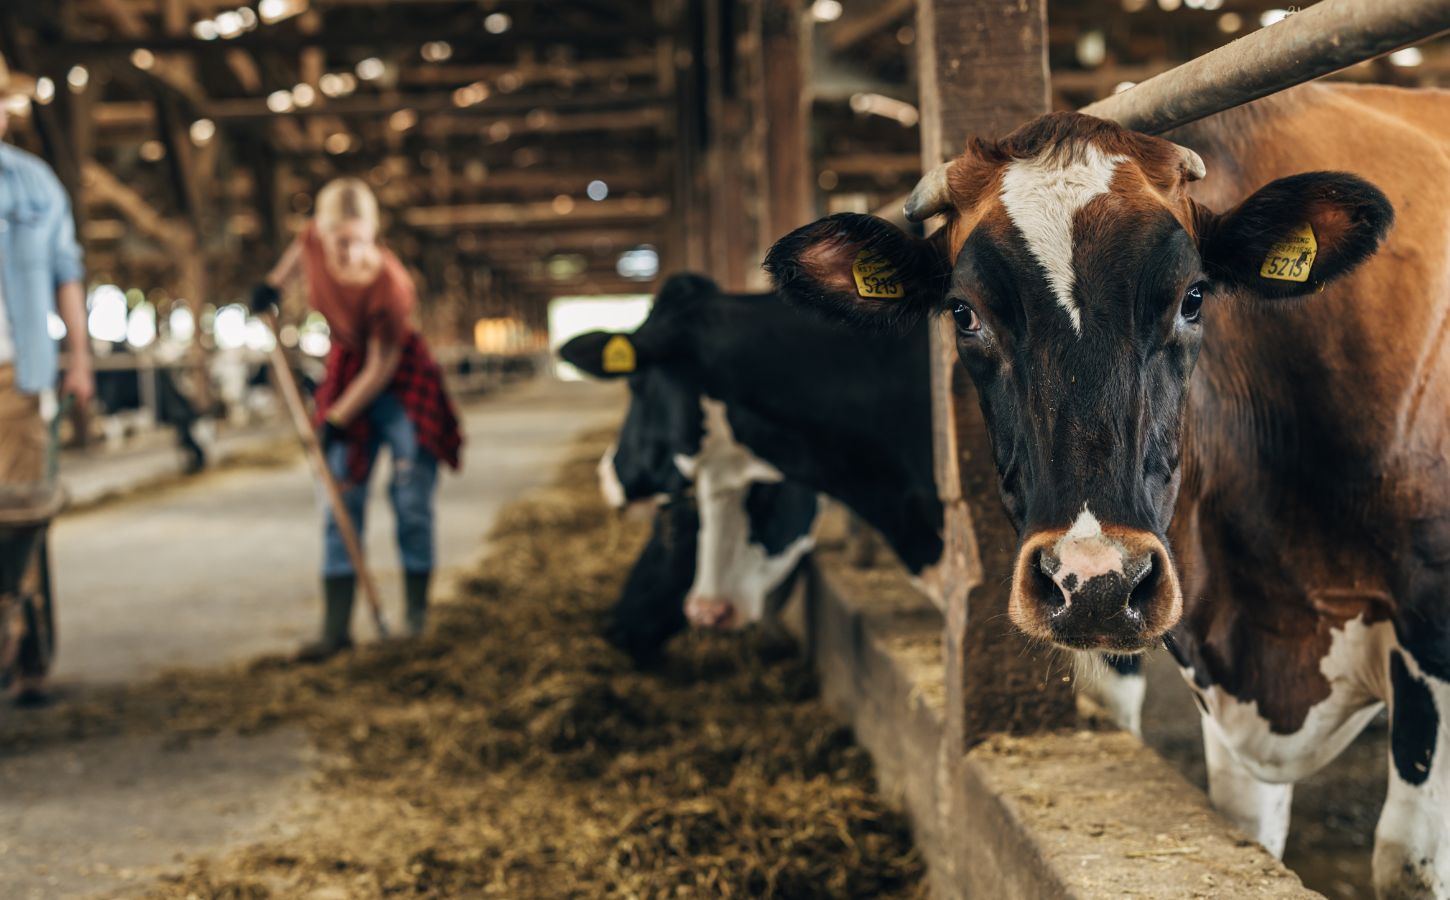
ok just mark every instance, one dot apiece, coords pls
pixel 1092 587
pixel 712 612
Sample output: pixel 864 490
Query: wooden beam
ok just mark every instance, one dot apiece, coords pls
pixel 123 114
pixel 478 214
pixel 107 188
pixel 123 18
pixel 528 72
pixel 866 164
pixel 789 187
pixel 1325 38
pixel 983 71
pixel 244 68
pixel 575 236
pixel 412 36
pixel 180 160
pixel 852 30
pixel 630 108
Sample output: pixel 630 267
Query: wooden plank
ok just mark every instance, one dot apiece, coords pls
pixel 983 71
pixel 787 112
pixel 436 75
pixel 693 131
pixel 872 164
pixel 409 37
pixel 544 212
pixel 604 111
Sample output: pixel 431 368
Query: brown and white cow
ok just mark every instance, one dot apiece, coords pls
pixel 1221 420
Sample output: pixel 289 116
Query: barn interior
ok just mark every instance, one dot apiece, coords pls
pixel 542 167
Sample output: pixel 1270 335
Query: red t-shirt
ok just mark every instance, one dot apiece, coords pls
pixel 355 313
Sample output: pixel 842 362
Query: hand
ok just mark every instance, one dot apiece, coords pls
pixel 265 298
pixel 80 383
pixel 330 433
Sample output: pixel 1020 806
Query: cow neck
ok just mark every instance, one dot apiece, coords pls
pixel 830 409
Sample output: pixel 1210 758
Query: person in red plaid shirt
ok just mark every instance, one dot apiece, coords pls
pixel 382 388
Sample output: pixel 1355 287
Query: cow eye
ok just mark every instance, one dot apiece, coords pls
pixel 967 318
pixel 1192 305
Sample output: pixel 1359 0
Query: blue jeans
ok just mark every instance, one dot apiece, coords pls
pixel 415 473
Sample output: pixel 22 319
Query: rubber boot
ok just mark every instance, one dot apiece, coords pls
pixel 415 587
pixel 337 595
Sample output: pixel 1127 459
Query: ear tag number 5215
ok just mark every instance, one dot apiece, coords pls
pixel 1292 258
pixel 876 278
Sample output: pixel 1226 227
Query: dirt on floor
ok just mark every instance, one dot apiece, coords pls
pixel 513 753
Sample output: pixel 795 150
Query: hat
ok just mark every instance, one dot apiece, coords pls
pixel 14 84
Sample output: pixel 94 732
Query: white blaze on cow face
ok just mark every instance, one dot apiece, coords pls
pixel 1041 196
pixel 609 484
pixel 732 574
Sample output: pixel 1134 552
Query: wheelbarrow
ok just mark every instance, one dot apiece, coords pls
pixel 27 623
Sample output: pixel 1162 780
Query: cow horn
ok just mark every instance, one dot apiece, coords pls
pixel 930 195
pixel 1193 168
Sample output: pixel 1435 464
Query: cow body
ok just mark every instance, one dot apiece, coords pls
pixel 1327 426
pixel 729 534
pixel 1150 381
pixel 709 420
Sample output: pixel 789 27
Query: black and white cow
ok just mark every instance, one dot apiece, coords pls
pixel 707 366
pixel 754 527
pixel 119 391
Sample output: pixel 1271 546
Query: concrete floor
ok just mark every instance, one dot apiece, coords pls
pixel 222 569
pixel 225 568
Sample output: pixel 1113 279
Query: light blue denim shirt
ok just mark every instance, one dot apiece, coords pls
pixel 38 253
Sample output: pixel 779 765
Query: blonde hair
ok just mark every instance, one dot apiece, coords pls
pixel 347 199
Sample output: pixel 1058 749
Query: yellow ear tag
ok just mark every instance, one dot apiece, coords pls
pixel 876 278
pixel 618 356
pixel 1292 258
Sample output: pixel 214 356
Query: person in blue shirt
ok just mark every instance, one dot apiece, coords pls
pixel 40 274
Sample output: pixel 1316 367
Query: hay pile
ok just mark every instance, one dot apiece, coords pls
pixel 515 754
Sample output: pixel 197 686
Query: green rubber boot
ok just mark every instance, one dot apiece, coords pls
pixel 337 595
pixel 415 587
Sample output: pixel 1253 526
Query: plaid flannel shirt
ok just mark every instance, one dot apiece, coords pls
pixel 418 384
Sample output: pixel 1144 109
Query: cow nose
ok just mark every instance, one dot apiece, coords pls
pixel 1105 581
pixel 711 612
pixel 1095 587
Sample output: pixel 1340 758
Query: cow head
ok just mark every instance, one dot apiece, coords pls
pixel 1078 272
pixel 754 526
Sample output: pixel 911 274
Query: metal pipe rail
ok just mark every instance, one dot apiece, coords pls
pixel 1326 37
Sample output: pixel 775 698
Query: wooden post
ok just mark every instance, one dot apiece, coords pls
pixel 787 114
pixel 983 71
pixel 690 217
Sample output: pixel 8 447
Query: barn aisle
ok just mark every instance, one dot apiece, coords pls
pixel 221 570
pixel 224 569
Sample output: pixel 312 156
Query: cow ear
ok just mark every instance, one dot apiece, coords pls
pixel 1297 234
pixel 860 270
pixel 603 354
